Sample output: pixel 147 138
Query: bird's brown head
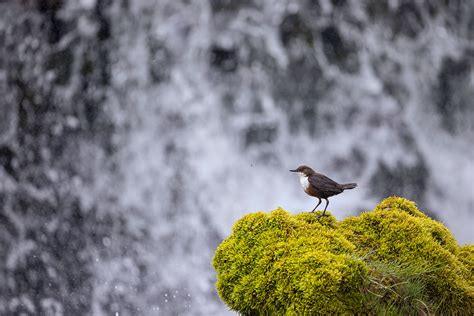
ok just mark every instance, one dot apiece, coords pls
pixel 304 169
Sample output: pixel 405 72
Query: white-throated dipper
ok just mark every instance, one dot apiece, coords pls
pixel 320 186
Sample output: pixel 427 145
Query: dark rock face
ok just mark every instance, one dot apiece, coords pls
pixel 127 127
pixel 224 59
pixel 293 28
pixel 454 92
pixel 408 20
pixel 337 50
pixel 410 181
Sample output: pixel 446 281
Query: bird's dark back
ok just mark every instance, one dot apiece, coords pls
pixel 323 186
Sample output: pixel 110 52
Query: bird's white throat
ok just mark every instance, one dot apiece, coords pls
pixel 304 180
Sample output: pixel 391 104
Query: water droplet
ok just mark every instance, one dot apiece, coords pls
pixel 106 241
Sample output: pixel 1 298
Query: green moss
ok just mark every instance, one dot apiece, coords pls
pixel 393 260
pixel 466 256
pixel 396 232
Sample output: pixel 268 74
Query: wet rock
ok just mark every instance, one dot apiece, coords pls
pixel 258 134
pixel 337 50
pixel 224 59
pixel 454 92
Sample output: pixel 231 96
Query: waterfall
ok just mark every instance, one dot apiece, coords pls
pixel 134 133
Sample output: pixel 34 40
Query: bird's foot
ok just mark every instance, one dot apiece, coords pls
pixel 322 214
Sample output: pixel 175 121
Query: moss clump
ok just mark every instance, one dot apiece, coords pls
pixel 393 260
pixel 276 263
pixel 466 255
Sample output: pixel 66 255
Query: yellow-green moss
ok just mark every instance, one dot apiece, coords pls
pixel 466 255
pixel 393 260
pixel 397 232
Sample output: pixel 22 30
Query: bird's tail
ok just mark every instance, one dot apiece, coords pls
pixel 347 186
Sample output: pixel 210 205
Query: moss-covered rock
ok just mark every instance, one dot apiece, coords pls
pixel 393 260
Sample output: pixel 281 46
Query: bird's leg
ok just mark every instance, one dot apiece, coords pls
pixel 327 203
pixel 314 209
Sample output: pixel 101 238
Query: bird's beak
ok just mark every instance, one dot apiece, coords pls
pixel 294 170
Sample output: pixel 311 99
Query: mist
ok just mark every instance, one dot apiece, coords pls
pixel 133 134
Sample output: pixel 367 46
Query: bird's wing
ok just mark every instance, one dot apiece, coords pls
pixel 324 184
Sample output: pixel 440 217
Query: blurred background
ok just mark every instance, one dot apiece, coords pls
pixel 134 133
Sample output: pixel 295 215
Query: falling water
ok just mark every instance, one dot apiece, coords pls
pixel 134 133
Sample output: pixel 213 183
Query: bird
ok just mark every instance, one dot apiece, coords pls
pixel 320 186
